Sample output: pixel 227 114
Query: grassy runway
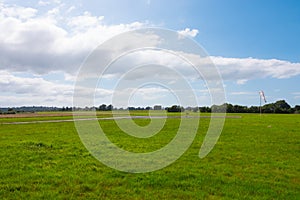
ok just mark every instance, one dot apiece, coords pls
pixel 255 158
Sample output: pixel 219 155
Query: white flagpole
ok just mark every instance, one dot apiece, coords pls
pixel 260 103
pixel 261 96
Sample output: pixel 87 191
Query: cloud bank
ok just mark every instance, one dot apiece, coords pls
pixel 55 41
pixel 50 41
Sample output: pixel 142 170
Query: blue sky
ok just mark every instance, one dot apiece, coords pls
pixel 255 44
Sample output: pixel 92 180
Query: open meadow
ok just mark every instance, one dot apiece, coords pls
pixel 256 157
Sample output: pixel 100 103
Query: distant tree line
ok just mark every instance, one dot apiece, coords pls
pixel 27 109
pixel 175 108
pixel 102 107
pixel 280 106
pixel 139 108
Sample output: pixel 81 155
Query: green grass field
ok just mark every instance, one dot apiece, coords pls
pixel 255 158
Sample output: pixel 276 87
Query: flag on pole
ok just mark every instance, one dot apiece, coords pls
pixel 262 95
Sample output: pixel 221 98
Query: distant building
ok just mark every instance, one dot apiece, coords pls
pixel 157 107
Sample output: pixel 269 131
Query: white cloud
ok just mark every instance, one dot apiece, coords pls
pixel 16 12
pixel 241 81
pixel 239 70
pixel 44 3
pixel 189 32
pixel 70 9
pixel 85 21
pixel 242 69
pixel 55 11
pixel 49 42
pixel 16 90
pixel 43 43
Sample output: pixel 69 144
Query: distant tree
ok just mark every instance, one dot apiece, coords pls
pixel 131 108
pixel 188 108
pixel 291 110
pixel 109 107
pixel 148 108
pixel 219 108
pixel 102 107
pixel 282 107
pixel 93 108
pixel 182 109
pixel 282 104
pixel 268 108
pixel 175 108
pixel 196 109
pixel 204 109
pixel 68 108
pixel 229 108
pixel 11 111
pixel 297 109
pixel 253 109
pixel 240 109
